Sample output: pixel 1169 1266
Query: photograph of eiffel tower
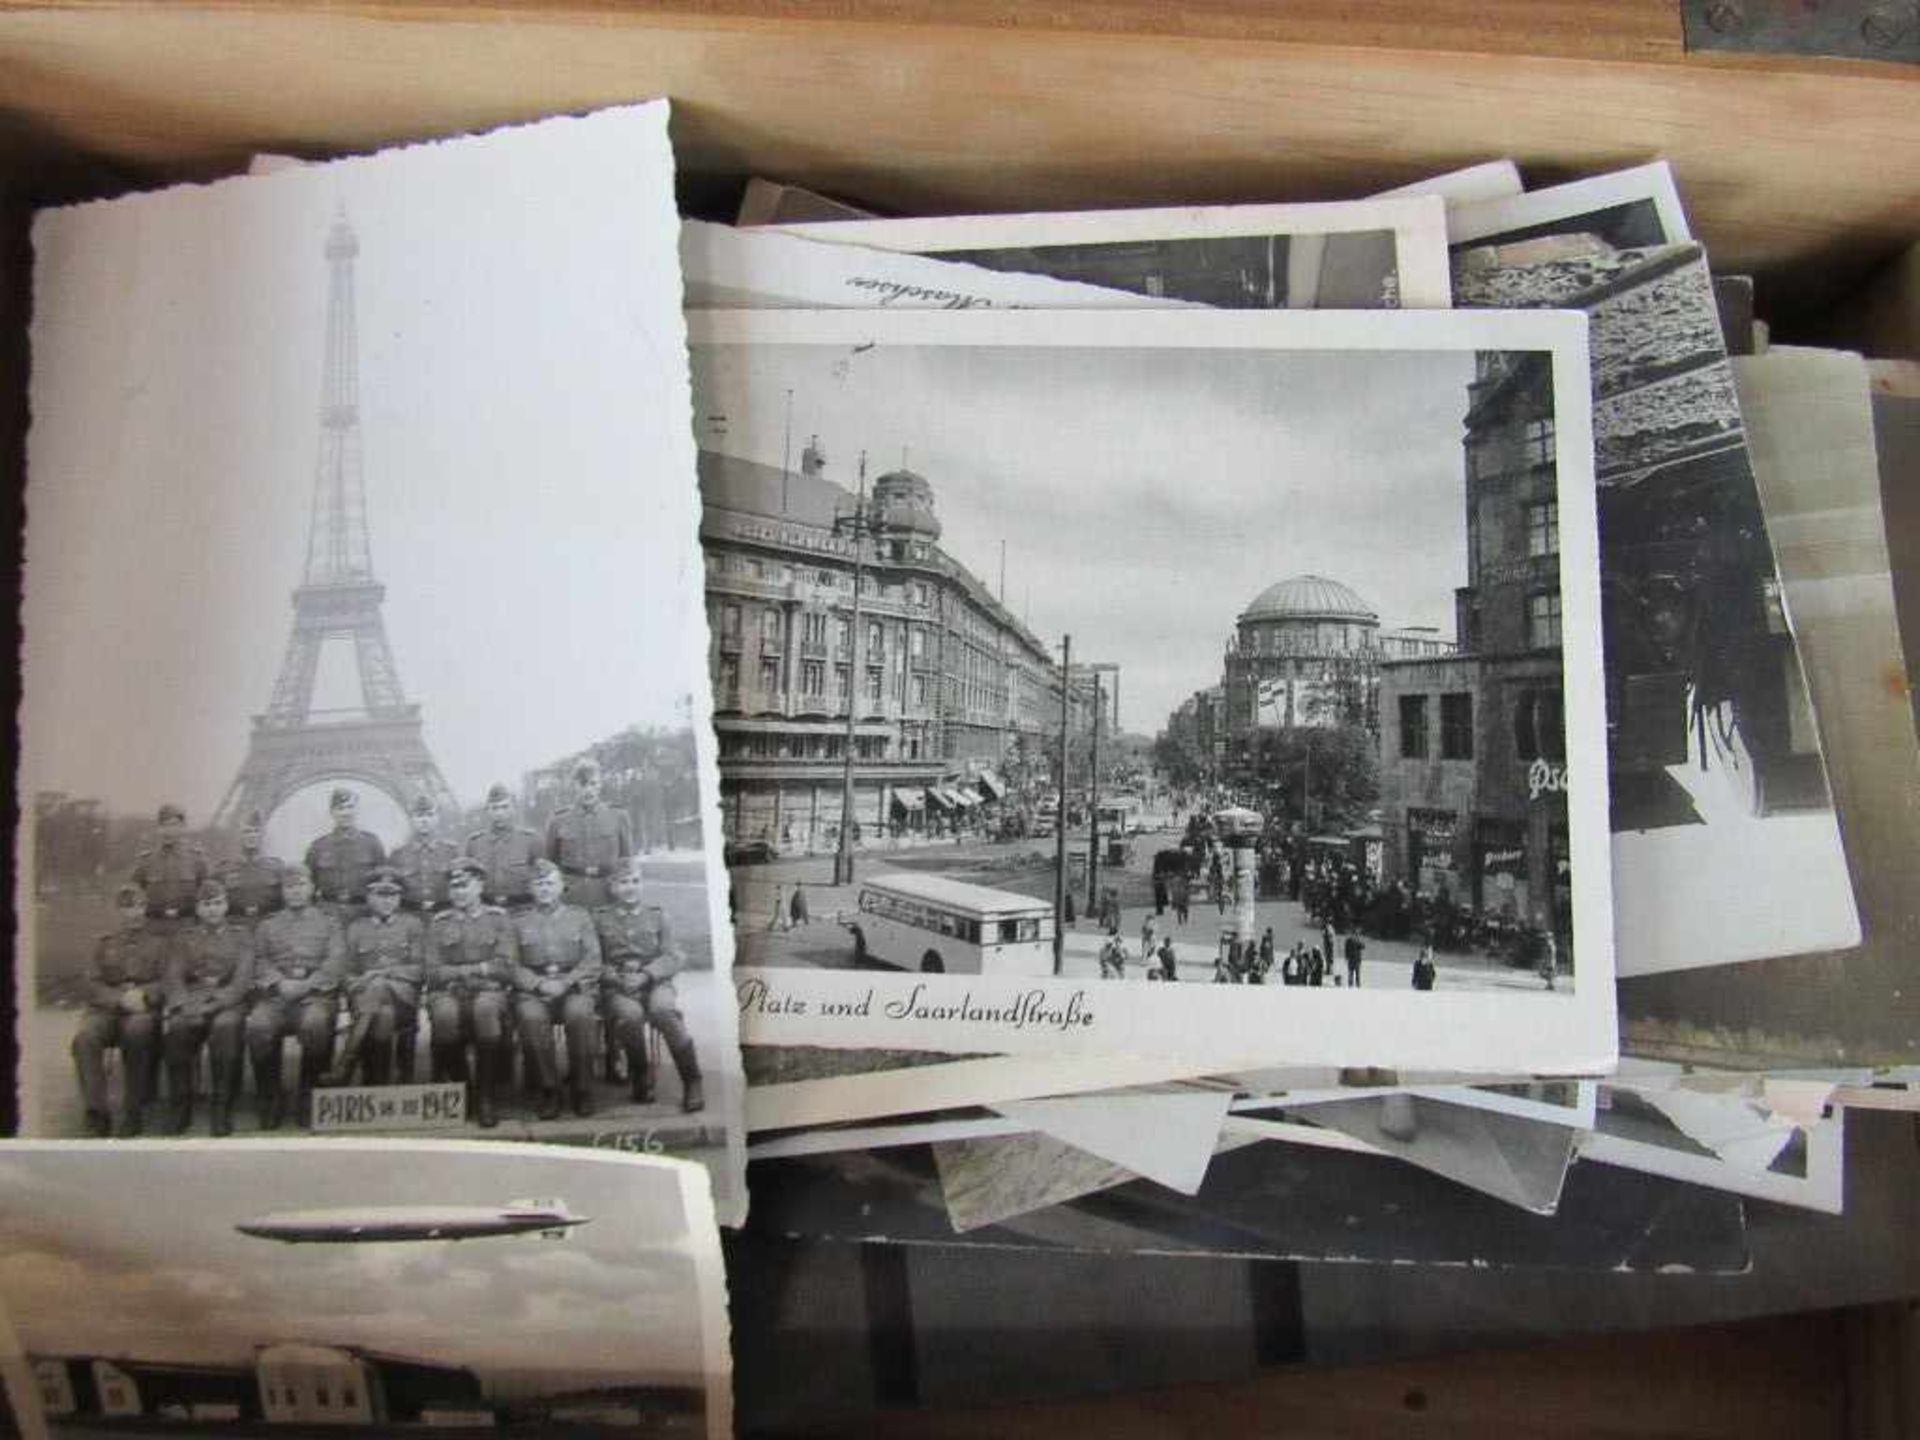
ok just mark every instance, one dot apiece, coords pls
pixel 380 742
pixel 332 487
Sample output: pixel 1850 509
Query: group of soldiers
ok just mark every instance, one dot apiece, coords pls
pixel 512 933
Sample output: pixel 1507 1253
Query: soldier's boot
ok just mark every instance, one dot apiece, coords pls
pixel 549 1103
pixel 378 1065
pixel 221 1122
pixel 133 1120
pixel 582 1098
pixel 403 1046
pixel 484 1066
pixel 641 1073
pixel 692 1096
pixel 99 1124
pixel 180 1095
pixel 269 1102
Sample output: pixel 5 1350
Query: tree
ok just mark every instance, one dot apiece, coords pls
pixel 1176 757
pixel 1328 776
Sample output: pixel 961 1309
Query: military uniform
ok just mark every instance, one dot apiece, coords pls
pixel 559 947
pixel 300 959
pixel 639 958
pixel 422 869
pixel 586 842
pixel 125 991
pixel 208 981
pixel 171 876
pixel 470 967
pixel 507 854
pixel 386 962
pixel 253 886
pixel 342 861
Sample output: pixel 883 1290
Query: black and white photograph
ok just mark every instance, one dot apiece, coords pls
pixel 367 769
pixel 1315 704
pixel 363 1287
pixel 1718 789
pixel 1344 255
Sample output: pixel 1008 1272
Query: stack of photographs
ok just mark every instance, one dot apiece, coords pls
pixel 1406 657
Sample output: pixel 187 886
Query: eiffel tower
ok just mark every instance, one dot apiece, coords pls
pixel 379 743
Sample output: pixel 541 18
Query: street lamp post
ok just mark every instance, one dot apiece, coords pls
pixel 1093 780
pixel 859 525
pixel 1060 815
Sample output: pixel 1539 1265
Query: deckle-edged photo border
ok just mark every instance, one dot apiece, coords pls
pixel 1473 1033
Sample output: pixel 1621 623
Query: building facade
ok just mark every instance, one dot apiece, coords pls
pixel 1472 747
pixel 949 692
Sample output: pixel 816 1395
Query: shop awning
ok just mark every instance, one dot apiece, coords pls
pixel 969 795
pixel 991 785
pixel 938 797
pixel 908 800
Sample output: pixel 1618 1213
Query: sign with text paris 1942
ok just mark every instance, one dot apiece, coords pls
pixel 1159 656
pixel 365 733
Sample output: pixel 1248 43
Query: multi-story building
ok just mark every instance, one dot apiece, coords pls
pixel 1472 752
pixel 945 684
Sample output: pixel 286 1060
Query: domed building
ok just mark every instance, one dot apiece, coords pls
pixel 1307 651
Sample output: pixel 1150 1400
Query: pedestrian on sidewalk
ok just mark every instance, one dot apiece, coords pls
pixel 1169 962
pixel 779 919
pixel 1326 944
pixel 1424 972
pixel 798 909
pixel 1356 948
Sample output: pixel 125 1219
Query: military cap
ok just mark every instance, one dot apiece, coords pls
pixel 212 889
pixel 170 811
pixel 626 868
pixel 544 867
pixel 466 867
pixel 385 878
pixel 423 805
pixel 497 793
pixel 587 769
pixel 255 820
pixel 130 894
pixel 295 871
pixel 341 796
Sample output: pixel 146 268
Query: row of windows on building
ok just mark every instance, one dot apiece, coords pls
pixel 917 593
pixel 1538 725
pixel 735 746
pixel 1485 456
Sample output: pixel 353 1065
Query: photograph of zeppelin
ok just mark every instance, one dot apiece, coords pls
pixel 433 821
pixel 334 1289
pixel 1200 648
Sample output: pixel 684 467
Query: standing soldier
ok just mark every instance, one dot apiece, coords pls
pixel 300 957
pixel 208 982
pixel 124 996
pixel 341 860
pixel 556 983
pixel 641 958
pixel 471 955
pixel 252 877
pixel 170 871
pixel 421 863
pixel 587 839
pixel 386 960
pixel 506 852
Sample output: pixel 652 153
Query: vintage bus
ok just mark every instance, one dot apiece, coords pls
pixel 940 926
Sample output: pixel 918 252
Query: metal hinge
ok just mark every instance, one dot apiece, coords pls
pixel 1854 29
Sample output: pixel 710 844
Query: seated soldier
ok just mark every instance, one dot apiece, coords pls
pixel 556 983
pixel 208 982
pixel 386 959
pixel 124 996
pixel 300 955
pixel 471 954
pixel 640 957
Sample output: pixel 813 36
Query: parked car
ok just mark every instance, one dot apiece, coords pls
pixel 749 852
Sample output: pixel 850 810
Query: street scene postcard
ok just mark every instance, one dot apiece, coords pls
pixel 1076 674
pixel 367 772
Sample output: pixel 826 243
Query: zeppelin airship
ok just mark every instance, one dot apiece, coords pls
pixel 370 1224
